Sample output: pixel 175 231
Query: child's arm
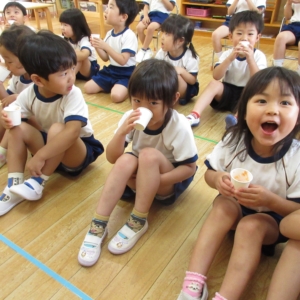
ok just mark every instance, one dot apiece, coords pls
pixel 3 92
pixel 290 225
pixel 115 147
pixel 231 9
pixel 82 54
pixel 253 7
pixel 249 53
pixel 220 70
pixel 187 77
pixel 168 5
pixel 146 19
pixel 8 100
pixel 288 11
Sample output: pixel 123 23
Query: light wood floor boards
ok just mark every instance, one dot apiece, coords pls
pixel 52 229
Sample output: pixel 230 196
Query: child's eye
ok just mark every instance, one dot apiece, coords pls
pixel 285 102
pixel 261 101
pixel 153 103
pixel 136 100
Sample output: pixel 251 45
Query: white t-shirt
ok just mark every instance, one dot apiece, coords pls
pixel 17 84
pixel 157 5
pixel 280 176
pixel 238 72
pixel 186 60
pixel 296 15
pixel 175 141
pixel 125 41
pixel 242 4
pixel 57 109
pixel 85 43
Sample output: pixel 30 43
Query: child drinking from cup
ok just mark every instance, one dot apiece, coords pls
pixel 158 167
pixel 264 143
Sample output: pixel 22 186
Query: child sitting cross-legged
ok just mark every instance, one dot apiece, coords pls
pixel 66 140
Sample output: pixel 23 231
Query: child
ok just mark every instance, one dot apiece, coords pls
pixel 285 283
pixel 236 65
pixel 154 14
pixel 289 35
pixel 158 166
pixel 15 13
pixel 177 48
pixel 263 142
pixel 234 6
pixel 119 47
pixel 20 79
pixel 76 30
pixel 66 140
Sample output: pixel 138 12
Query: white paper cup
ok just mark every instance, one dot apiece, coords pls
pixel 14 113
pixel 142 122
pixel 3 73
pixel 11 22
pixel 95 36
pixel 245 43
pixel 240 178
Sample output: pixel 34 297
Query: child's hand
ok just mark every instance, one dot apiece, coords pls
pixel 146 20
pixel 97 43
pixel 224 185
pixel 234 54
pixel 254 195
pixel 6 122
pixel 128 125
pixel 7 100
pixel 35 165
pixel 6 25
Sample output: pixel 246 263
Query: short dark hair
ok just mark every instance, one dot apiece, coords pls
pixel 180 27
pixel 247 16
pixel 45 53
pixel 128 7
pixel 15 4
pixel 288 81
pixel 10 37
pixel 154 79
pixel 76 19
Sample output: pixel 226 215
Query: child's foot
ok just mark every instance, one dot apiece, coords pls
pixel 90 249
pixel 140 55
pixel 30 189
pixel 125 239
pixel 148 54
pixel 184 296
pixel 193 119
pixel 8 200
pixel 230 121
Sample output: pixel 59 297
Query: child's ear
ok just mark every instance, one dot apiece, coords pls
pixel 177 95
pixel 36 79
pixel 124 17
pixel 258 37
pixel 230 35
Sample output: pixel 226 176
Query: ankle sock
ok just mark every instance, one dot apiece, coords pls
pixel 98 225
pixel 195 114
pixel 2 156
pixel 219 297
pixel 136 220
pixel 219 54
pixel 193 284
pixel 278 62
pixel 40 180
pixel 15 179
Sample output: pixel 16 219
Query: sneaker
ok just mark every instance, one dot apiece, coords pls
pixel 30 189
pixel 230 121
pixel 148 54
pixel 185 296
pixel 194 121
pixel 90 249
pixel 125 239
pixel 140 55
pixel 8 200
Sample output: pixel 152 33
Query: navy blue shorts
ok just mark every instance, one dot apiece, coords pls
pixel 111 75
pixel 295 29
pixel 156 16
pixel 94 70
pixel 227 20
pixel 230 98
pixel 93 149
pixel 191 91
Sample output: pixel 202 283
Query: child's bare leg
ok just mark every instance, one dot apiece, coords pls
pixel 149 35
pixel 140 28
pixel 224 216
pixel 118 93
pixel 283 38
pixel 182 86
pixel 91 87
pixel 252 232
pixel 217 36
pixel 285 283
pixel 84 68
pixel 3 148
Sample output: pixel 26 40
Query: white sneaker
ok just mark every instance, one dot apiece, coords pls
pixel 148 54
pixel 26 192
pixel 140 55
pixel 90 249
pixel 125 239
pixel 184 296
pixel 193 121
pixel 8 200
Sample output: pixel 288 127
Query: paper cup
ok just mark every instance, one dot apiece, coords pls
pixel 11 22
pixel 95 36
pixel 240 178
pixel 14 113
pixel 245 43
pixel 142 122
pixel 3 73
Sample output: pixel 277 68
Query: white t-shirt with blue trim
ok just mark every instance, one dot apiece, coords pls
pixel 157 5
pixel 17 84
pixel 243 6
pixel 85 43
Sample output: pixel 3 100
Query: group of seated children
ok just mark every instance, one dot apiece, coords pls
pixel 57 132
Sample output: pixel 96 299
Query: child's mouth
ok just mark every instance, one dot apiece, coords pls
pixel 269 127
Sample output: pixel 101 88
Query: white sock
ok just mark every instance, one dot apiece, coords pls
pixel 278 62
pixel 15 179
pixel 219 54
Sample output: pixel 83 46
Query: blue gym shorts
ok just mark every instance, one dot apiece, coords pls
pixel 94 70
pixel 93 149
pixel 111 75
pixel 156 16
pixel 295 29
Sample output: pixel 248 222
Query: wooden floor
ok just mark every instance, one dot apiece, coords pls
pixel 39 241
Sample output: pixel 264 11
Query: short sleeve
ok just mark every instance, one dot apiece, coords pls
pixel 129 42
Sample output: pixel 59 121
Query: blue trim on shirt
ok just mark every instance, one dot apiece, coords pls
pixel 85 47
pixel 42 98
pixel 206 162
pixel 154 132
pixel 113 32
pixel 128 51
pixel 178 57
pixel 82 119
pixel 24 80
pixel 9 92
pixel 297 200
pixel 188 161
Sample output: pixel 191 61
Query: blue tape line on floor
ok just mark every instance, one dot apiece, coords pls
pixel 46 269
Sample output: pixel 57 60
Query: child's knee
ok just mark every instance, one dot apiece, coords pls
pixel 89 87
pixel 149 156
pixel 117 97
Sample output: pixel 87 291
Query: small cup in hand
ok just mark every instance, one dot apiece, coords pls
pixel 14 113
pixel 240 178
pixel 3 73
pixel 145 117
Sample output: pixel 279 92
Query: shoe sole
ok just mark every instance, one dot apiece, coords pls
pixel 3 212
